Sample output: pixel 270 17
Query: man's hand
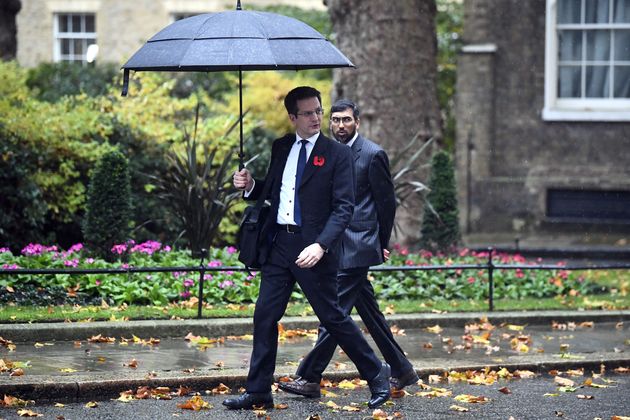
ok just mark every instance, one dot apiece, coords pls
pixel 385 254
pixel 243 180
pixel 310 256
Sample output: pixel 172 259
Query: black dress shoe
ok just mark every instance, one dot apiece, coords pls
pixel 408 378
pixel 301 386
pixel 380 388
pixel 249 401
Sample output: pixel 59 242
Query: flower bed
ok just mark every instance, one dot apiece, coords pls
pixel 242 287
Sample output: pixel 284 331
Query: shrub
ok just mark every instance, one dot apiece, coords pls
pixel 440 222
pixel 108 205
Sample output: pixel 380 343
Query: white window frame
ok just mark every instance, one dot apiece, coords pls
pixel 59 36
pixel 574 109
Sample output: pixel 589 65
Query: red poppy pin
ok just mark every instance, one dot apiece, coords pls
pixel 318 160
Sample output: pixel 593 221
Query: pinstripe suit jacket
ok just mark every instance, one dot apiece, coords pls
pixel 374 210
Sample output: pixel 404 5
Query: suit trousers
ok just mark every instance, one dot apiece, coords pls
pixel 355 290
pixel 319 285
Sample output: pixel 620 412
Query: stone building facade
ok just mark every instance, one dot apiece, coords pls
pixel 61 30
pixel 543 145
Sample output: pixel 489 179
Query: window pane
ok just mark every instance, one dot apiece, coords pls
pixel 569 11
pixel 570 45
pixel 597 11
pixel 598 45
pixel 622 45
pixel 622 82
pixel 569 82
pixel 65 46
pixel 597 81
pixel 76 23
pixel 78 46
pixel 63 23
pixel 89 23
pixel 622 11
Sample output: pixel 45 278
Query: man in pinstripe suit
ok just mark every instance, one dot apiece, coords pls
pixel 364 244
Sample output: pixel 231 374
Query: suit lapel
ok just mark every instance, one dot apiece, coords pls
pixel 320 151
pixel 356 147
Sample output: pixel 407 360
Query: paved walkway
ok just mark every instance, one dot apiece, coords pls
pixel 64 364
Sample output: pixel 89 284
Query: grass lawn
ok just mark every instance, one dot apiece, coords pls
pixel 11 314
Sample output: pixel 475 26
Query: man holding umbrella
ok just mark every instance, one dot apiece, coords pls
pixel 311 206
pixel 364 244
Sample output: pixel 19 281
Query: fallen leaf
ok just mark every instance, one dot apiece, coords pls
pixel 91 404
pixel 471 398
pixel 350 408
pixel 379 414
pixel 584 397
pixel 222 389
pixel 515 327
pixel 563 381
pixel 28 413
pixel 329 394
pixel 17 372
pixel 551 395
pixel 281 406
pixel 196 403
pixel 59 405
pixel 505 390
pixel 133 364
pixel 67 370
pixel 436 329
pixel 182 391
pixel 458 408
pixel 331 405
pixel 346 384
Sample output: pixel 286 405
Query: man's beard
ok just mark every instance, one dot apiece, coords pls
pixel 349 136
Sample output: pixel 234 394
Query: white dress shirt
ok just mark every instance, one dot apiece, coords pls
pixel 287 188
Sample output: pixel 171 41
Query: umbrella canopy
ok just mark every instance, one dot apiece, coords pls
pixel 235 40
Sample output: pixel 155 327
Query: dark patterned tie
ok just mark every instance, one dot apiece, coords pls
pixel 301 164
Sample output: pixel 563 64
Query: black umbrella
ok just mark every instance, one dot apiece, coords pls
pixel 235 40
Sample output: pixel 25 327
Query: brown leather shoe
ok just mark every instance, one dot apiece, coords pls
pixel 408 378
pixel 249 401
pixel 301 386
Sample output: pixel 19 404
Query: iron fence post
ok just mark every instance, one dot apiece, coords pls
pixel 202 272
pixel 490 280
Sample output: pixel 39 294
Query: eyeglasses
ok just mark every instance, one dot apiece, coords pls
pixel 345 120
pixel 309 114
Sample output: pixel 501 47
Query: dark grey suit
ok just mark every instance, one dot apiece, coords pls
pixel 362 246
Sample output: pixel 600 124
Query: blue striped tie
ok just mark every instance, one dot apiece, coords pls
pixel 301 164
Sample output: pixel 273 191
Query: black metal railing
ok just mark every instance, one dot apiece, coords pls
pixel 489 266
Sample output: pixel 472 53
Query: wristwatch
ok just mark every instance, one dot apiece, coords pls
pixel 324 247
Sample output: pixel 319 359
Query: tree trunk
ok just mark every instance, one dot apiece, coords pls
pixel 394 46
pixel 8 30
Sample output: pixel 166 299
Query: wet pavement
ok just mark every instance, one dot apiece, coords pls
pixel 74 368
pixel 178 354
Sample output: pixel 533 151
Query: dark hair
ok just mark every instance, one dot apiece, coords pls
pixel 299 93
pixel 343 104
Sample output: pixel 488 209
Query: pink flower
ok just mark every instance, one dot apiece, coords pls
pixel 226 283
pixel 97 282
pixel 189 282
pixel 148 247
pixel 471 280
pixel 231 250
pixel 166 248
pixel 215 263
pixel 185 294
pixel 10 266
pixel 119 249
pixel 75 248
pixel 519 273
pixel 71 263
pixel 5 250
pixel 89 260
pixel 37 249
